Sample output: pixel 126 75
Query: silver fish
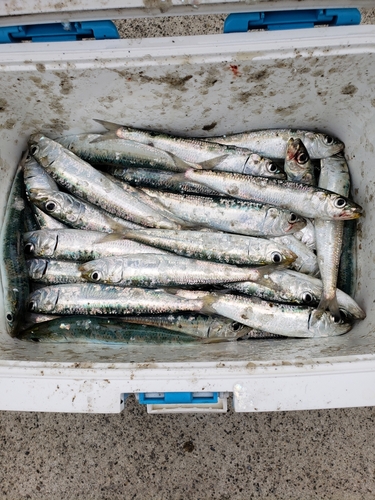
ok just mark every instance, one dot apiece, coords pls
pixel 53 272
pixel 347 276
pixel 285 285
pixel 101 330
pixel 197 325
pixel 74 244
pixel 219 247
pixel 306 261
pixel 208 155
pixel 152 271
pixel 78 214
pixel 14 278
pixel 108 300
pixel 281 319
pixel 159 179
pixel 273 142
pixel 334 175
pixel 121 152
pixel 298 165
pixel 302 199
pixel 83 180
pixel 232 216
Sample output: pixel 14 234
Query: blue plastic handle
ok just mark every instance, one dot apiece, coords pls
pixel 59 32
pixel 175 398
pixel 293 19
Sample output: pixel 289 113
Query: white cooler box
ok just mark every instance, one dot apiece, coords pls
pixel 205 85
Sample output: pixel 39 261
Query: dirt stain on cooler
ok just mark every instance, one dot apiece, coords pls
pixel 161 5
pixel 66 84
pixel 3 105
pixel 349 89
pixel 210 126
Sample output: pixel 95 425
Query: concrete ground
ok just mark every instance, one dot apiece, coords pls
pixel 325 454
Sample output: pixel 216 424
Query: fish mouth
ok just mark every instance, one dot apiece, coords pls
pixel 355 213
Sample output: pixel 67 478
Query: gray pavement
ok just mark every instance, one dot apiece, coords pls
pixel 325 454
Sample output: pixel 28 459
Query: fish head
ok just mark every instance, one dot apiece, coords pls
pixel 263 167
pixel 323 324
pixel 44 300
pixel 101 271
pixel 40 243
pixel 43 149
pixel 340 208
pixel 279 254
pixel 36 268
pixel 322 145
pixel 298 165
pixel 282 221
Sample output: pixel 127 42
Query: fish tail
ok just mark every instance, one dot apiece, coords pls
pixel 212 163
pixel 182 165
pixel 207 307
pixel 332 305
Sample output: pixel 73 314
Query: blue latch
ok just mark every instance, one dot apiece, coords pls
pixel 178 398
pixel 59 32
pixel 290 19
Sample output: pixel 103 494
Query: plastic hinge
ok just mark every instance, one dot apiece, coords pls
pixel 294 19
pixel 59 32
pixel 177 398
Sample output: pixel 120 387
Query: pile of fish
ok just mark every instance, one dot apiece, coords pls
pixel 138 236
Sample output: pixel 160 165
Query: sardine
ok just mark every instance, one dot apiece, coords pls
pixel 302 199
pixel 108 300
pixel 14 277
pixel 289 286
pixel 82 180
pixel 298 165
pixel 76 329
pixel 74 244
pixel 197 325
pixel 53 272
pixel 121 152
pixel 334 175
pixel 232 216
pixel 281 319
pixel 208 155
pixel 219 247
pixel 347 276
pixel 78 214
pixel 153 271
pixel 273 142
pixel 158 179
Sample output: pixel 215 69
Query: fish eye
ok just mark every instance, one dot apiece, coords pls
pixel 307 297
pixel 328 140
pixel 303 158
pixel 50 206
pixel 340 203
pixel 34 149
pixel 236 326
pixel 31 306
pixel 9 317
pixel 29 248
pixel 276 257
pixel 273 168
pixel 293 217
pixel 95 275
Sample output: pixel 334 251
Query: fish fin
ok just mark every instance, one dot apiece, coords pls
pixel 214 340
pixel 183 165
pixel 214 162
pixel 208 301
pixel 105 137
pixel 108 125
pixel 115 236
